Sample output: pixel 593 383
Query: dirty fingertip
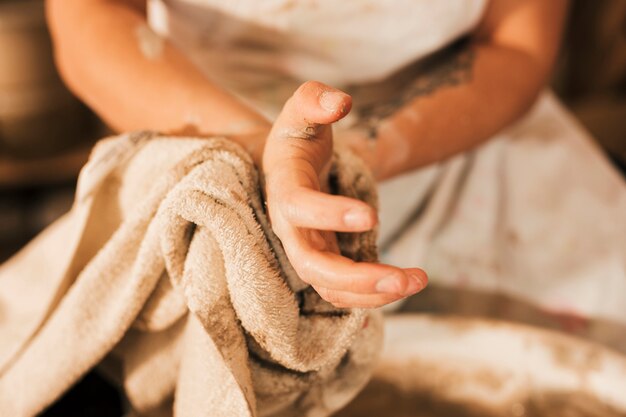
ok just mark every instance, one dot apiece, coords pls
pixel 335 101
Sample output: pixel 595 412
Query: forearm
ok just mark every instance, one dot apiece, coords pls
pixel 454 107
pixel 133 79
pixel 461 100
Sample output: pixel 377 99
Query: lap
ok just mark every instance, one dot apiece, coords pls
pixel 537 213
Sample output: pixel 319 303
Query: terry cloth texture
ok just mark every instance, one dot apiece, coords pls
pixel 166 273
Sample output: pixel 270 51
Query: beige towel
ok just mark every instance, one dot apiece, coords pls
pixel 166 267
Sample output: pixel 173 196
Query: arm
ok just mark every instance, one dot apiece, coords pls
pixel 454 106
pixel 133 86
pixel 478 89
pixel 296 163
pixel 135 80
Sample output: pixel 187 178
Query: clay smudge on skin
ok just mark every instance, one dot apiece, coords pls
pixel 150 43
pixel 309 132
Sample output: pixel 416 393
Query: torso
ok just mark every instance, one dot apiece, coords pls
pixel 261 49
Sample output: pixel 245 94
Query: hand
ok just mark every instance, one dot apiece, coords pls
pixel 295 164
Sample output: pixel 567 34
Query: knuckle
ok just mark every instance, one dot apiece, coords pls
pixel 289 203
pixel 284 204
pixel 308 132
pixel 277 221
pixel 293 212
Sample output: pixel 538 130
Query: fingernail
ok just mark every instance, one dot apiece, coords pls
pixel 389 285
pixel 331 100
pixel 358 218
pixel 416 284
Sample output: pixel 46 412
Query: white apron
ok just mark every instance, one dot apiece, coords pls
pixel 536 213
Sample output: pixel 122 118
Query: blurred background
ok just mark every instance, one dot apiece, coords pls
pixel 46 133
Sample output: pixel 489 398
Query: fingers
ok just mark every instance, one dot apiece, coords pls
pixel 346 299
pixel 333 271
pixel 296 155
pixel 304 207
pixel 326 269
pixel 303 128
pixel 343 282
pixel 314 103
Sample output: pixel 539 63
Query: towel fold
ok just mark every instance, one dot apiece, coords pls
pixel 166 273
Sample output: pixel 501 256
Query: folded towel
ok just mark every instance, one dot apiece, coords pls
pixel 167 273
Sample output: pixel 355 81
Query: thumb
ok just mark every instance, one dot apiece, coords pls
pixel 314 103
pixel 307 116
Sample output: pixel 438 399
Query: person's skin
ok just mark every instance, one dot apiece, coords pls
pixel 476 93
pixel 471 95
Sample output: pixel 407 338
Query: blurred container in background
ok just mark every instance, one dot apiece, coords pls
pixel 38 115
